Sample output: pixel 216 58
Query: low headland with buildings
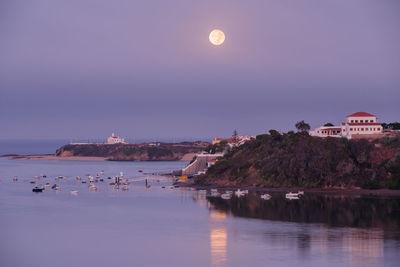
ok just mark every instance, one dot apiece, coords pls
pixel 117 149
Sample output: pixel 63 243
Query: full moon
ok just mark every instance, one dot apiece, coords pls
pixel 217 37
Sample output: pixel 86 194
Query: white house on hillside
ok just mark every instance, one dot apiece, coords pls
pixel 357 125
pixel 113 139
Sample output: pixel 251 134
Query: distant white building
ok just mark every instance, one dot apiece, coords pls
pixel 113 139
pixel 358 125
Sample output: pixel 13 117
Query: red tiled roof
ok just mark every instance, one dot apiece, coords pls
pixel 361 114
pixel 364 123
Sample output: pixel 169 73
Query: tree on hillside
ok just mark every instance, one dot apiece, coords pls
pixel 328 124
pixel 234 135
pixel 302 126
pixel 392 125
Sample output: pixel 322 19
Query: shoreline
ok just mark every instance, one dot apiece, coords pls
pixel 318 191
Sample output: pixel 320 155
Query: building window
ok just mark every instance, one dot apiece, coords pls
pixel 371 121
pixel 351 129
pixel 362 129
pixel 361 121
pixel 352 120
pixel 356 120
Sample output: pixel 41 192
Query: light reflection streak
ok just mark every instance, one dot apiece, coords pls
pixel 218 238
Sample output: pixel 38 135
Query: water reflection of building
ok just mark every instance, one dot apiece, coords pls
pixel 218 238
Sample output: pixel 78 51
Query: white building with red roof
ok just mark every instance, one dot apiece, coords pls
pixel 113 139
pixel 357 125
pixel 361 124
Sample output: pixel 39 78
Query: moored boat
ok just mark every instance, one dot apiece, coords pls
pixel 266 196
pixel 291 195
pixel 226 196
pixel 38 189
pixel 241 193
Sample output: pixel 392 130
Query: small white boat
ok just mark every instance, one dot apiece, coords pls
pixel 74 192
pixel 15 178
pixel 241 193
pixel 300 192
pixel 92 186
pixel 78 178
pixel 266 196
pixel 202 192
pixel 226 196
pixel 291 195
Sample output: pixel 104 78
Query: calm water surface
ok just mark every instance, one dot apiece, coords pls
pixel 180 227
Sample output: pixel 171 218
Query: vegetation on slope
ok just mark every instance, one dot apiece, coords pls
pixel 299 160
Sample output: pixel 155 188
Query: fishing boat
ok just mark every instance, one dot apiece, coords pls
pixel 38 189
pixel 74 192
pixel 266 196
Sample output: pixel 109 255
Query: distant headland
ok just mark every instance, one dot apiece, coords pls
pixel 118 150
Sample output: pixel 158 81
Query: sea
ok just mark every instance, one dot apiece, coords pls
pixel 160 225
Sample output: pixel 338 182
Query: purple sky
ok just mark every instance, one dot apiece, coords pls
pixel 145 68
